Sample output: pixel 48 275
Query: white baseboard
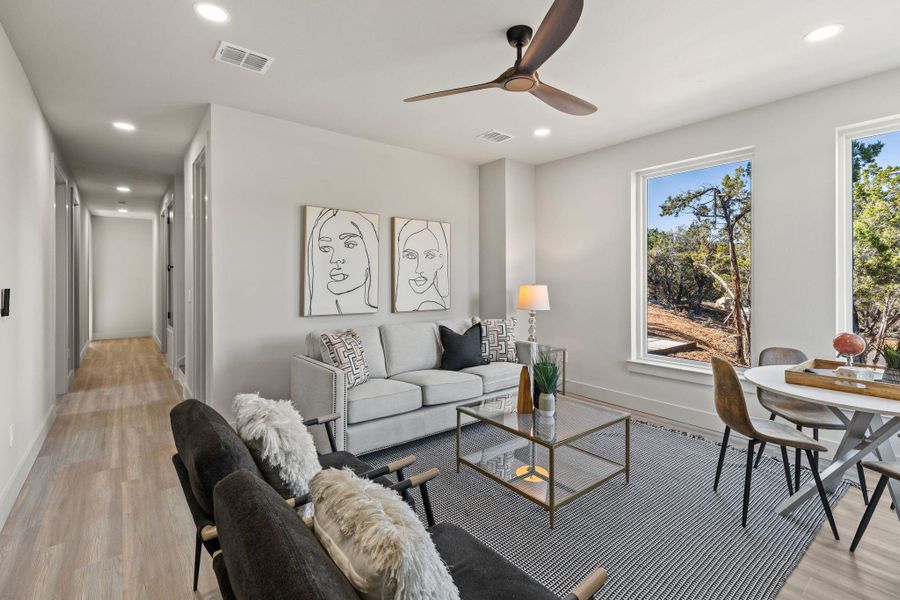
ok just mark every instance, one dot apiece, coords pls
pixel 118 335
pixel 691 418
pixel 157 341
pixel 182 379
pixel 84 350
pixel 15 483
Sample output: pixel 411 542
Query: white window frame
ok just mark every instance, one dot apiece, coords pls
pixel 844 215
pixel 641 361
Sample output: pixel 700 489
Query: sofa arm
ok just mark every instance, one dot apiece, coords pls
pixel 317 390
pixel 526 352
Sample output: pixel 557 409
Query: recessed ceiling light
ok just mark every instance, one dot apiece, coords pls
pixel 123 210
pixel 211 12
pixel 124 126
pixel 123 188
pixel 823 33
pixel 542 132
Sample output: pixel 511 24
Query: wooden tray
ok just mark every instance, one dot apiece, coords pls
pixel 799 376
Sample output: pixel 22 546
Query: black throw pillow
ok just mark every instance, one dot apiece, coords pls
pixel 461 351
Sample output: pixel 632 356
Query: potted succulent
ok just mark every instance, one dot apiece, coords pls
pixel 892 363
pixel 546 376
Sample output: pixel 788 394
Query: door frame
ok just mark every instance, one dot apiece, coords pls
pixel 200 378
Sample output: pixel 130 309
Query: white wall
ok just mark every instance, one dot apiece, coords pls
pixel 507 237
pixel 492 238
pixel 584 248
pixel 123 274
pixel 27 349
pixel 267 169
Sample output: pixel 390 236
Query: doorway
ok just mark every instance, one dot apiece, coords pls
pixel 66 214
pixel 200 209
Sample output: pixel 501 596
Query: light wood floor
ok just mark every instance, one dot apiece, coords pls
pixel 102 515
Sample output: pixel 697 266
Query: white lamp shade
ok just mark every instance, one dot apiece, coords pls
pixel 533 297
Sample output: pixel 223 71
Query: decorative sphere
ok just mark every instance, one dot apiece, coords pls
pixel 849 344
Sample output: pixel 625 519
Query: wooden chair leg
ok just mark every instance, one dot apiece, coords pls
pixel 862 483
pixel 870 510
pixel 787 469
pixel 747 479
pixel 812 465
pixel 721 458
pixel 197 548
pixel 762 445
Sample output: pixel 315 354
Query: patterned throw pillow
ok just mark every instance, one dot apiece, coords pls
pixel 345 351
pixel 498 340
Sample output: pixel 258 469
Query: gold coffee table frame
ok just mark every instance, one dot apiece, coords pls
pixel 571 472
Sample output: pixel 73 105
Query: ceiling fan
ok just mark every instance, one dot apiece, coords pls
pixel 555 29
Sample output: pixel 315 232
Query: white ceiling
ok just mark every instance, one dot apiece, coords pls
pixel 346 65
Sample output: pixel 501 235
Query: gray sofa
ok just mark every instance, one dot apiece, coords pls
pixel 407 396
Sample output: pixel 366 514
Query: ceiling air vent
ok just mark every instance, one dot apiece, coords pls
pixel 494 136
pixel 237 56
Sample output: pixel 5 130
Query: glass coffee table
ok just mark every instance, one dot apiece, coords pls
pixel 537 459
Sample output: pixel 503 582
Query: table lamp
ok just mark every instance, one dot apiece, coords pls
pixel 533 298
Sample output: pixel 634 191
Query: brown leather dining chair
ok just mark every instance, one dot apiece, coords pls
pixel 802 414
pixel 731 406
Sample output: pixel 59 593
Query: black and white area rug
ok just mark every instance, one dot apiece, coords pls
pixel 664 535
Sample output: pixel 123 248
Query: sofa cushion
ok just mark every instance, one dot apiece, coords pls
pixel 410 347
pixel 498 340
pixel 371 343
pixel 379 398
pixel 440 387
pixel 460 350
pixel 479 572
pixel 209 449
pixel 269 552
pixel 497 376
pixel 345 351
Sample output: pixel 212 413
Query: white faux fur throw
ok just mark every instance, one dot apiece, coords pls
pixel 371 532
pixel 285 441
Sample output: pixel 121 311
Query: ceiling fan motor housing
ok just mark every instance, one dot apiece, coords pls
pixel 519 36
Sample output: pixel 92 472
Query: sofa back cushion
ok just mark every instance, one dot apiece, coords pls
pixel 209 448
pixel 410 347
pixel 269 552
pixel 371 342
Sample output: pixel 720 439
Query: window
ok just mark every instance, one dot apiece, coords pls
pixel 870 247
pixel 692 271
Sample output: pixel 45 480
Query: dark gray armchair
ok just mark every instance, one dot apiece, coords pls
pixel 270 553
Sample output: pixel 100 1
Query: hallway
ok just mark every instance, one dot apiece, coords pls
pixel 101 514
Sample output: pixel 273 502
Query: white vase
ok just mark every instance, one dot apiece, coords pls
pixel 547 404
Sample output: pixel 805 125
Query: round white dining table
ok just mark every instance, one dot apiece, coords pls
pixel 871 424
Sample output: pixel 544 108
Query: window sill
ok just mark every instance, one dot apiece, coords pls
pixel 698 373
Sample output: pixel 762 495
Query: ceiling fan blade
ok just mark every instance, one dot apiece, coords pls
pixel 563 101
pixel 459 90
pixel 555 29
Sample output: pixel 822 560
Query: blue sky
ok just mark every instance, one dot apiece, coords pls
pixel 660 188
pixel 890 154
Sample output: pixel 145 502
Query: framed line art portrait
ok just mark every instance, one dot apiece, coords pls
pixel 421 265
pixel 340 262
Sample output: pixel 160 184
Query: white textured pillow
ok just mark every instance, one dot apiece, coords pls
pixel 377 541
pixel 283 440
